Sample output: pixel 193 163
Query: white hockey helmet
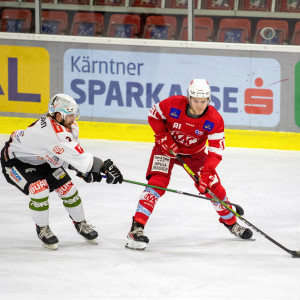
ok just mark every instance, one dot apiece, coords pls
pixel 63 104
pixel 199 88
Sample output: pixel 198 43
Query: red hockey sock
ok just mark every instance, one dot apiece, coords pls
pixel 146 205
pixel 226 216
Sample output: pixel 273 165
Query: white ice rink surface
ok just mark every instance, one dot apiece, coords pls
pixel 190 255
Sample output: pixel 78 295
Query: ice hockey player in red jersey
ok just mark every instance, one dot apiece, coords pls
pixel 34 161
pixel 182 125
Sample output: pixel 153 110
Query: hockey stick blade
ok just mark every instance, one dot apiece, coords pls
pixel 295 254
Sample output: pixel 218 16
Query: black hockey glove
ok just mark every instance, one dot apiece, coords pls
pixel 112 172
pixel 90 176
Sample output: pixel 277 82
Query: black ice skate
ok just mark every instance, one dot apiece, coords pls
pixel 87 231
pixel 136 239
pixel 239 231
pixel 47 237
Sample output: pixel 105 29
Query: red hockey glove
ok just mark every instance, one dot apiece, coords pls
pixel 167 144
pixel 205 181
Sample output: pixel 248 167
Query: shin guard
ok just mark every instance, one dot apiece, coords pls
pixel 71 200
pixel 38 205
pixel 226 216
pixel 146 205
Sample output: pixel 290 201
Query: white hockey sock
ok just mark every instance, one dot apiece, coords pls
pixel 77 213
pixel 72 201
pixel 38 205
pixel 41 218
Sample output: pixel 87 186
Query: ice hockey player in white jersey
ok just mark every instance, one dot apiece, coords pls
pixel 34 160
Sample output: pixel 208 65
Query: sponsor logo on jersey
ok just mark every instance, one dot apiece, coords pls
pixel 79 149
pixel 161 163
pixel 38 186
pixel 56 127
pixel 59 174
pixel 16 177
pixel 198 132
pixel 28 170
pixel 43 122
pixel 71 200
pixel 16 135
pixel 44 204
pixel 174 112
pixel 64 189
pixel 58 150
pixel 188 124
pixel 208 125
pixel 52 160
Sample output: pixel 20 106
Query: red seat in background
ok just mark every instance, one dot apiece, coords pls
pixel 203 29
pixel 124 26
pixel 16 20
pixel 87 24
pixel 54 22
pixel 275 32
pixel 234 30
pixel 160 27
pixel 296 35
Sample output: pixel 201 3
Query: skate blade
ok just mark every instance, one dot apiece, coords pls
pixel 134 245
pixel 51 246
pixel 94 241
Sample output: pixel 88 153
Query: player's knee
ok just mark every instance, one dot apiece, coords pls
pixel 160 181
pixel 39 193
pixel 69 194
pixel 39 189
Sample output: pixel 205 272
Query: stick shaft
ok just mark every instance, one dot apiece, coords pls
pixel 173 191
pixel 191 173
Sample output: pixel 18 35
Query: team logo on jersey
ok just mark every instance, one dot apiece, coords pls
pixel 183 138
pixel 58 150
pixel 198 132
pixel 208 125
pixel 174 112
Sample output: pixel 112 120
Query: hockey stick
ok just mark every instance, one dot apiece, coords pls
pixel 191 173
pixel 174 191
pixel 160 188
pixel 239 209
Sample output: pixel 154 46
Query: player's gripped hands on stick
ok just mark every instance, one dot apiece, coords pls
pixel 167 144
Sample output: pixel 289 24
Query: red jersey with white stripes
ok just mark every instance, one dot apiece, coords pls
pixel 190 134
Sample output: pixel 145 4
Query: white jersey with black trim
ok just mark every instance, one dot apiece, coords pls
pixel 48 141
